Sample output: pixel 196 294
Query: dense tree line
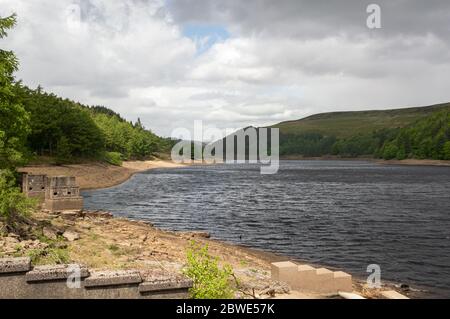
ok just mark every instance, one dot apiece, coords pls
pixel 68 130
pixel 427 138
pixel 306 144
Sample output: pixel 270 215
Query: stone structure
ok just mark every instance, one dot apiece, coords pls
pixel 18 279
pixel 34 186
pixel 62 193
pixel 57 193
pixel 309 279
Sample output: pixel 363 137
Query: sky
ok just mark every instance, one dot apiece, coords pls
pixel 233 63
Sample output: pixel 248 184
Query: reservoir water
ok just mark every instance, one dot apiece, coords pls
pixel 343 214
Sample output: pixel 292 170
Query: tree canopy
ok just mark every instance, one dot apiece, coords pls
pixel 14 120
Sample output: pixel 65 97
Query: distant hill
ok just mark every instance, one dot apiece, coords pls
pixel 347 124
pixel 417 132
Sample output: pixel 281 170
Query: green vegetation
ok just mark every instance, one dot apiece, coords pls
pixel 421 133
pixel 13 204
pixel 55 252
pixel 210 280
pixel 68 130
pixel 427 138
pixel 113 158
pixel 348 124
pixel 14 120
pixel 14 127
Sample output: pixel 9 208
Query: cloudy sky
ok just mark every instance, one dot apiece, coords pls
pixel 233 63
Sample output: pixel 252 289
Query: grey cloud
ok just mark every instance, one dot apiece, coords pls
pixel 309 19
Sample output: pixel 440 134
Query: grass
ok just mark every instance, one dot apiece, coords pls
pixel 345 124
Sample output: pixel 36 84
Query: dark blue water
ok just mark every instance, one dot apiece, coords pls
pixel 345 214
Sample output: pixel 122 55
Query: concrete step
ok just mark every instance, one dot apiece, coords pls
pixel 309 279
pixel 342 282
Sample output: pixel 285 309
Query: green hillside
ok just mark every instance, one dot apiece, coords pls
pixel 419 132
pixel 347 124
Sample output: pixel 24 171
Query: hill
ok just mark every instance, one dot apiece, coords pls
pixel 418 132
pixel 347 124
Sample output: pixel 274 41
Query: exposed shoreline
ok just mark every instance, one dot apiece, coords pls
pixel 93 176
pixel 99 176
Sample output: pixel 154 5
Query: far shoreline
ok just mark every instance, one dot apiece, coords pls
pixel 406 162
pixel 97 175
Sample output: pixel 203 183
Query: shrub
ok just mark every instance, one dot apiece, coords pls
pixel 446 150
pixel 209 280
pixel 113 158
pixel 13 203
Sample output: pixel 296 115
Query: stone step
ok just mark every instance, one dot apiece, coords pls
pixel 309 279
pixel 284 271
pixel 342 282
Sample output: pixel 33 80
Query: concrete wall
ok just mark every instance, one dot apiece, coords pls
pixel 18 279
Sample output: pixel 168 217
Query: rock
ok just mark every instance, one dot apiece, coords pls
pixel 11 240
pixel 199 234
pixel 86 226
pixel 404 287
pixel 99 214
pixel 49 233
pixel 71 215
pixel 71 235
pixel 143 238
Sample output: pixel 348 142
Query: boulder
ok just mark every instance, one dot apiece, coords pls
pixel 71 235
pixel 49 233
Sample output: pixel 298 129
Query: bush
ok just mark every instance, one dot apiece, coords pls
pixel 446 150
pixel 13 203
pixel 113 158
pixel 209 280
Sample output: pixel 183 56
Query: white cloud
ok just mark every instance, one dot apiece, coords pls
pixel 131 55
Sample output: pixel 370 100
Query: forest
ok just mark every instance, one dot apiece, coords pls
pixel 426 138
pixel 68 131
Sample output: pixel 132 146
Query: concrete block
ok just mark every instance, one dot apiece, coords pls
pixel 342 282
pixel 159 284
pixel 63 204
pixel 323 283
pixel 113 278
pixel 15 265
pixel 284 271
pixel 392 294
pixel 305 277
pixel 55 272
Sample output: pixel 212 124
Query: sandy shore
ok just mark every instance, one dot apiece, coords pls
pixel 99 175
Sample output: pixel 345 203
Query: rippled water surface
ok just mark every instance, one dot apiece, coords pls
pixel 345 214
